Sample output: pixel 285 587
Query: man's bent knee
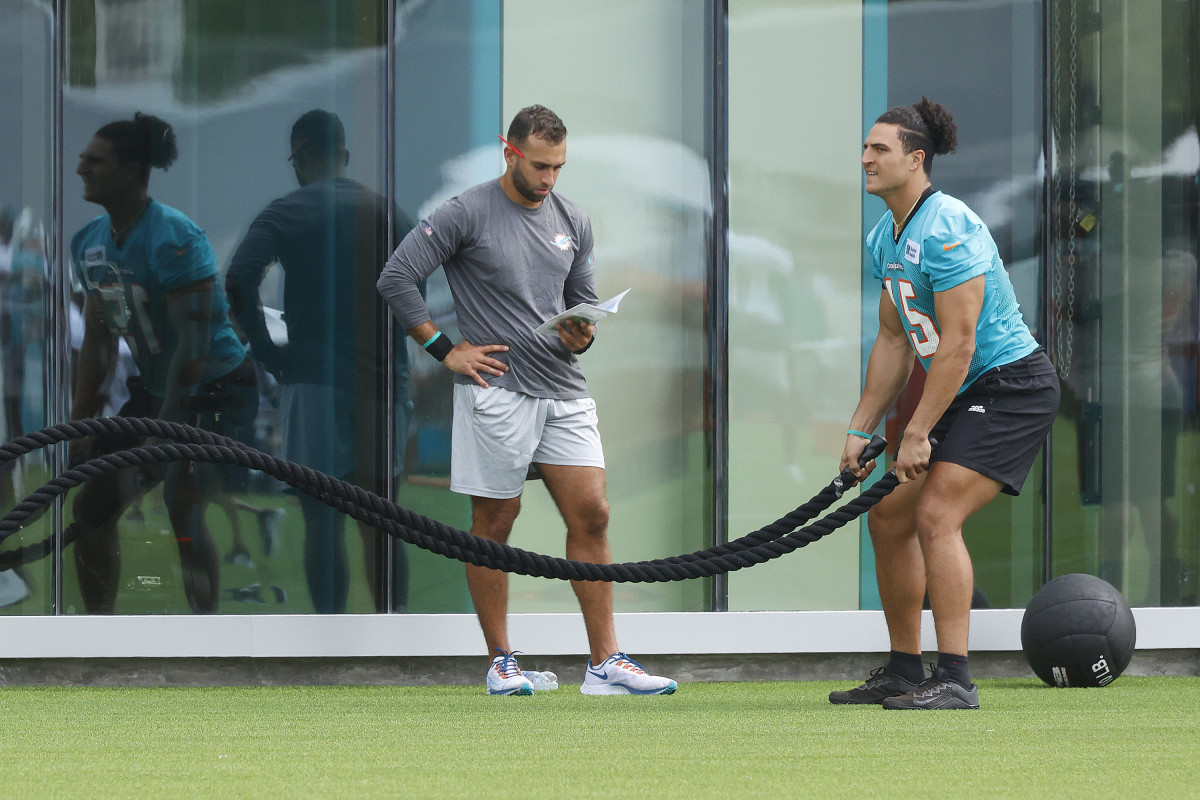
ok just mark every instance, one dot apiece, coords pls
pixel 590 521
pixel 890 522
pixel 494 519
pixel 936 521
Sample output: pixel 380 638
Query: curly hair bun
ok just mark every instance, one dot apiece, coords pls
pixel 161 138
pixel 943 132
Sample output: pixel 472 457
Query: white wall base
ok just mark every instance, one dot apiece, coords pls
pixel 319 636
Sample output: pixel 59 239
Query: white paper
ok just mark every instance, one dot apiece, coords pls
pixel 586 311
pixel 276 327
pixel 13 588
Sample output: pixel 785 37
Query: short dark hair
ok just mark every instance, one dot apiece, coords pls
pixel 926 126
pixel 145 139
pixel 536 121
pixel 319 132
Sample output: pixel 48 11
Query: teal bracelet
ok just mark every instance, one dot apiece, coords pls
pixel 853 432
pixel 431 340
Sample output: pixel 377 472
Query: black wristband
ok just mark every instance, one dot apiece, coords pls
pixel 439 346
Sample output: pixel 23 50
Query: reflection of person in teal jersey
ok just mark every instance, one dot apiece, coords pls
pixel 150 277
pixel 989 399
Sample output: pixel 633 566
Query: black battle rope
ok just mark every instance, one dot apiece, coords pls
pixel 763 545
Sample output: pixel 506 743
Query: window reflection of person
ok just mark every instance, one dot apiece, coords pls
pixel 150 277
pixel 330 238
pixel 1156 391
pixel 22 320
pixel 9 353
pixel 1178 573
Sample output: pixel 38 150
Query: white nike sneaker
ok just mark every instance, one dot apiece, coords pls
pixel 504 676
pixel 542 681
pixel 620 674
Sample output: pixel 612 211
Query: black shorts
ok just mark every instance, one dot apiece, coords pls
pixel 997 425
pixel 225 405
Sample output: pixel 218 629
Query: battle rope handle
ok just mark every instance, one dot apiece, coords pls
pixel 760 546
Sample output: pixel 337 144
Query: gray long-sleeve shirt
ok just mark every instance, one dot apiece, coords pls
pixel 329 238
pixel 509 268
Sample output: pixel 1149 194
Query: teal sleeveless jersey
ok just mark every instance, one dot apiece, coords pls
pixel 945 244
pixel 164 251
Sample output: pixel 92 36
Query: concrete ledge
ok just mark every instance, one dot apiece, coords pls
pixel 463 670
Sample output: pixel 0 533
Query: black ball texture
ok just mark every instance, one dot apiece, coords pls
pixel 1078 631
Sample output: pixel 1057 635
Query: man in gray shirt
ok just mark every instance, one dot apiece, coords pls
pixel 329 238
pixel 515 254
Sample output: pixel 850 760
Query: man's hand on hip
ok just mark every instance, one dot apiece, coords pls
pixel 472 360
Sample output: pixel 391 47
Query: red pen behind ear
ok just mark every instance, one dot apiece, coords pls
pixel 510 147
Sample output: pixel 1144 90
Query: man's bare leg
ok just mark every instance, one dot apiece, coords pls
pixel 579 493
pixel 492 518
pixel 899 564
pixel 951 496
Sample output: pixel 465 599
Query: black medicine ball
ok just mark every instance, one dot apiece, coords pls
pixel 1078 631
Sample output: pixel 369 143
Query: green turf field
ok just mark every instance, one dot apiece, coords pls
pixel 1135 738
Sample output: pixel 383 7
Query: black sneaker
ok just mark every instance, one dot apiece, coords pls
pixel 938 691
pixel 880 685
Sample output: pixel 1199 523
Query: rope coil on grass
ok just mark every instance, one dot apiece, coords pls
pixel 193 444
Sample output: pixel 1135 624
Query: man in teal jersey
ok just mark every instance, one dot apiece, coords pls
pixel 150 277
pixel 989 399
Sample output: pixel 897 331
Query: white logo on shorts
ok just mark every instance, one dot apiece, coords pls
pixel 976 409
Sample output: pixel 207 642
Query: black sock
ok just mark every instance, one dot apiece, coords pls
pixel 955 668
pixel 907 666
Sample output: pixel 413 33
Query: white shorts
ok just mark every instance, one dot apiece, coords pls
pixel 498 433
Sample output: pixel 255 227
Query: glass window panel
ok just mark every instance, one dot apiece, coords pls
pixel 447 85
pixel 231 78
pixel 27 318
pixel 1124 243
pixel 998 172
pixel 794 287
pixel 794 217
pixel 629 82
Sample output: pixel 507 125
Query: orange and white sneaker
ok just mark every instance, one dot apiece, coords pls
pixel 504 676
pixel 620 674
